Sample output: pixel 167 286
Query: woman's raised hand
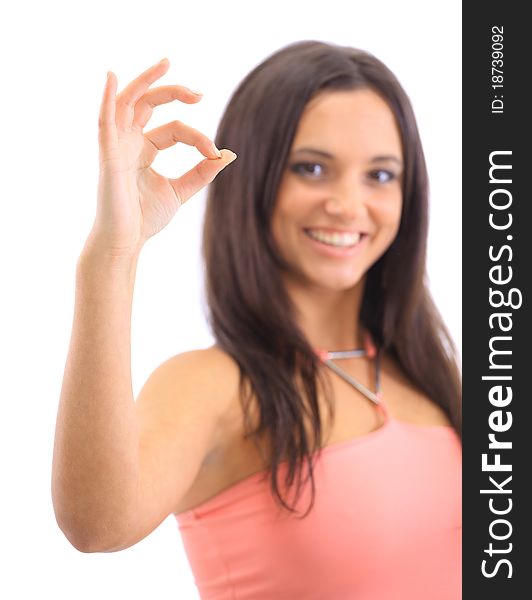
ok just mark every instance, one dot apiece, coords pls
pixel 134 201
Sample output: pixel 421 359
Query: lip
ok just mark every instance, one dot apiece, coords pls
pixel 335 230
pixel 333 251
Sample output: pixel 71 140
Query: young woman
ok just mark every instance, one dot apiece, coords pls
pixel 314 451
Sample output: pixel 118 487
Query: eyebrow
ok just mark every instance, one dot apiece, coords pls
pixel 327 155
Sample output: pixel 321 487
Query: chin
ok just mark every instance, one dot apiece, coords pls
pixel 338 282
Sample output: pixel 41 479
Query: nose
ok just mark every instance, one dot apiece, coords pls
pixel 347 199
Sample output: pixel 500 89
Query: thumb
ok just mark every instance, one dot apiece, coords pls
pixel 201 175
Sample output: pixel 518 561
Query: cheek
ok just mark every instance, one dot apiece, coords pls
pixel 278 222
pixel 389 214
pixel 282 219
pixel 291 210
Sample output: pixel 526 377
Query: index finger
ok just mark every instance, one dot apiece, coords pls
pixel 132 93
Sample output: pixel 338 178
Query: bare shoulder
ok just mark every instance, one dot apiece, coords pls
pixel 203 370
pixel 190 364
pixel 193 389
pixel 179 411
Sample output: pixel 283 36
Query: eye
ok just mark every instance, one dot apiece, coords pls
pixel 383 176
pixel 310 170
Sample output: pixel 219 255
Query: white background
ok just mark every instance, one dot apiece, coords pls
pixel 55 56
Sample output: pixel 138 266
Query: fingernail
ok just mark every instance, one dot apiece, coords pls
pixel 216 151
pixel 194 92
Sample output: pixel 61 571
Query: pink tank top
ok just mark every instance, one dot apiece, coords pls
pixel 386 525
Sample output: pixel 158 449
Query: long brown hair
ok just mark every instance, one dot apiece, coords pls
pixel 250 312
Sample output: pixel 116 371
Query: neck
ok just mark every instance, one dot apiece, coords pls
pixel 329 318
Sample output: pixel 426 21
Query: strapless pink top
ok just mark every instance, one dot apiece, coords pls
pixel 386 525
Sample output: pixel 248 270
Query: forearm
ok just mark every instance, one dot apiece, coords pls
pixel 95 464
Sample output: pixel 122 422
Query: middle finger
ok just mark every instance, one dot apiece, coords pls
pixel 161 95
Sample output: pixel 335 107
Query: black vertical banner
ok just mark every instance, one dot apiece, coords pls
pixel 497 260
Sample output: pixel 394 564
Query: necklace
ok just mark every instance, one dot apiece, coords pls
pixel 370 351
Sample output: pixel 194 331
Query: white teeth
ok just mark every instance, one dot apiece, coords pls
pixel 335 239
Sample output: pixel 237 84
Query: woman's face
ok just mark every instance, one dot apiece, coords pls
pixel 343 178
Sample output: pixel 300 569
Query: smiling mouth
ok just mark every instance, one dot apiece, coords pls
pixel 337 240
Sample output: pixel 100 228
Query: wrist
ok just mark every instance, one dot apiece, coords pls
pixel 95 260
